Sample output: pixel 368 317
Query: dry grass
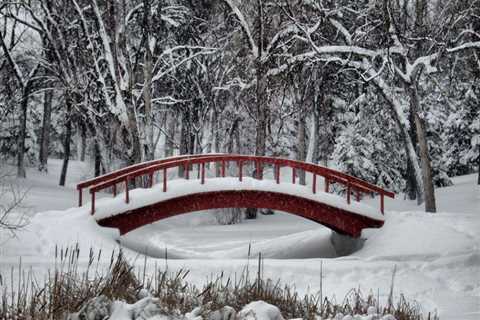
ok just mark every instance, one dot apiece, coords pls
pixel 66 290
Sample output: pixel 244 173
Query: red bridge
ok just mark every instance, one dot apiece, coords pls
pixel 168 198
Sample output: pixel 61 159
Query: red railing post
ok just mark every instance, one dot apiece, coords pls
pixel 93 203
pixel 114 189
pixel 127 196
pixel 187 172
pixel 382 203
pixel 240 173
pixel 348 191
pixel 257 169
pixel 223 168
pixel 164 179
pixel 80 197
pixel 277 173
pixel 314 183
pixel 203 173
pixel 150 176
pixel 294 174
pixel 198 171
pixel 327 185
pixel 357 195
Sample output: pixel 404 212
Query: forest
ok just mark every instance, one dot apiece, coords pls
pixel 384 90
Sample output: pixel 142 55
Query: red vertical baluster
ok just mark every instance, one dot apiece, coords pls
pixel 80 197
pixel 327 185
pixel 294 175
pixel 223 168
pixel 127 196
pixel 93 203
pixel 164 179
pixel 187 174
pixel 240 173
pixel 357 195
pixel 382 203
pixel 150 180
pixel 114 189
pixel 198 170
pixel 314 183
pixel 277 173
pixel 257 169
pixel 203 173
pixel 349 190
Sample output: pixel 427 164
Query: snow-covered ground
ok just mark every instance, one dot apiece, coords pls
pixel 436 256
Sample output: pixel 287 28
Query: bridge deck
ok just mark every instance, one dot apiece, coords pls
pixel 141 197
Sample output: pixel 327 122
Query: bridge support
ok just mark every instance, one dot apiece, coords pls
pixel 345 245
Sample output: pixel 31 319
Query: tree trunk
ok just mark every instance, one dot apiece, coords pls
pixel 66 143
pixel 260 125
pixel 97 159
pixel 45 132
pixel 326 145
pixel 412 187
pixel 260 128
pixel 134 137
pixel 261 113
pixel 231 135
pixel 301 145
pixel 83 142
pixel 170 134
pixel 404 135
pixel 147 90
pixel 312 152
pixel 21 173
pixel 478 162
pixel 213 146
pixel 429 190
pixel 184 139
pixel 430 205
pixel 261 101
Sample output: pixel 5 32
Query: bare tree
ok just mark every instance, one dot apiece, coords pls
pixel 26 85
pixel 12 216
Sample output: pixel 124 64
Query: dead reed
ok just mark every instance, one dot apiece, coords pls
pixel 67 289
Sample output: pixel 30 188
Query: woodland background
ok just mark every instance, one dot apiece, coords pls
pixel 386 90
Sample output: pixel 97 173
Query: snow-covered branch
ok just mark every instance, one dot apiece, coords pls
pixel 16 69
pixel 245 26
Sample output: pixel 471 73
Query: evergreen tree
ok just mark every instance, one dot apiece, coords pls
pixel 459 136
pixel 366 146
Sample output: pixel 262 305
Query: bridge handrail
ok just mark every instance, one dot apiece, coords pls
pixel 329 174
pixel 132 168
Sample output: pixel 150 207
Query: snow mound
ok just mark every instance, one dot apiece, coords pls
pixel 50 231
pixel 422 236
pixel 260 310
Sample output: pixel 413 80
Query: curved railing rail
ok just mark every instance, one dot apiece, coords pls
pixel 121 172
pixel 351 183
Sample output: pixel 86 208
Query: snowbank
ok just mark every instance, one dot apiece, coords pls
pixel 436 256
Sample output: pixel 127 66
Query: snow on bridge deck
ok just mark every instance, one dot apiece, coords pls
pixel 141 197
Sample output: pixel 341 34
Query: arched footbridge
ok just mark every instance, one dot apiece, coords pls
pixel 148 192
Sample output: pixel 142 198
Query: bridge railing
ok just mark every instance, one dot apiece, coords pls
pixel 127 170
pixel 351 184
